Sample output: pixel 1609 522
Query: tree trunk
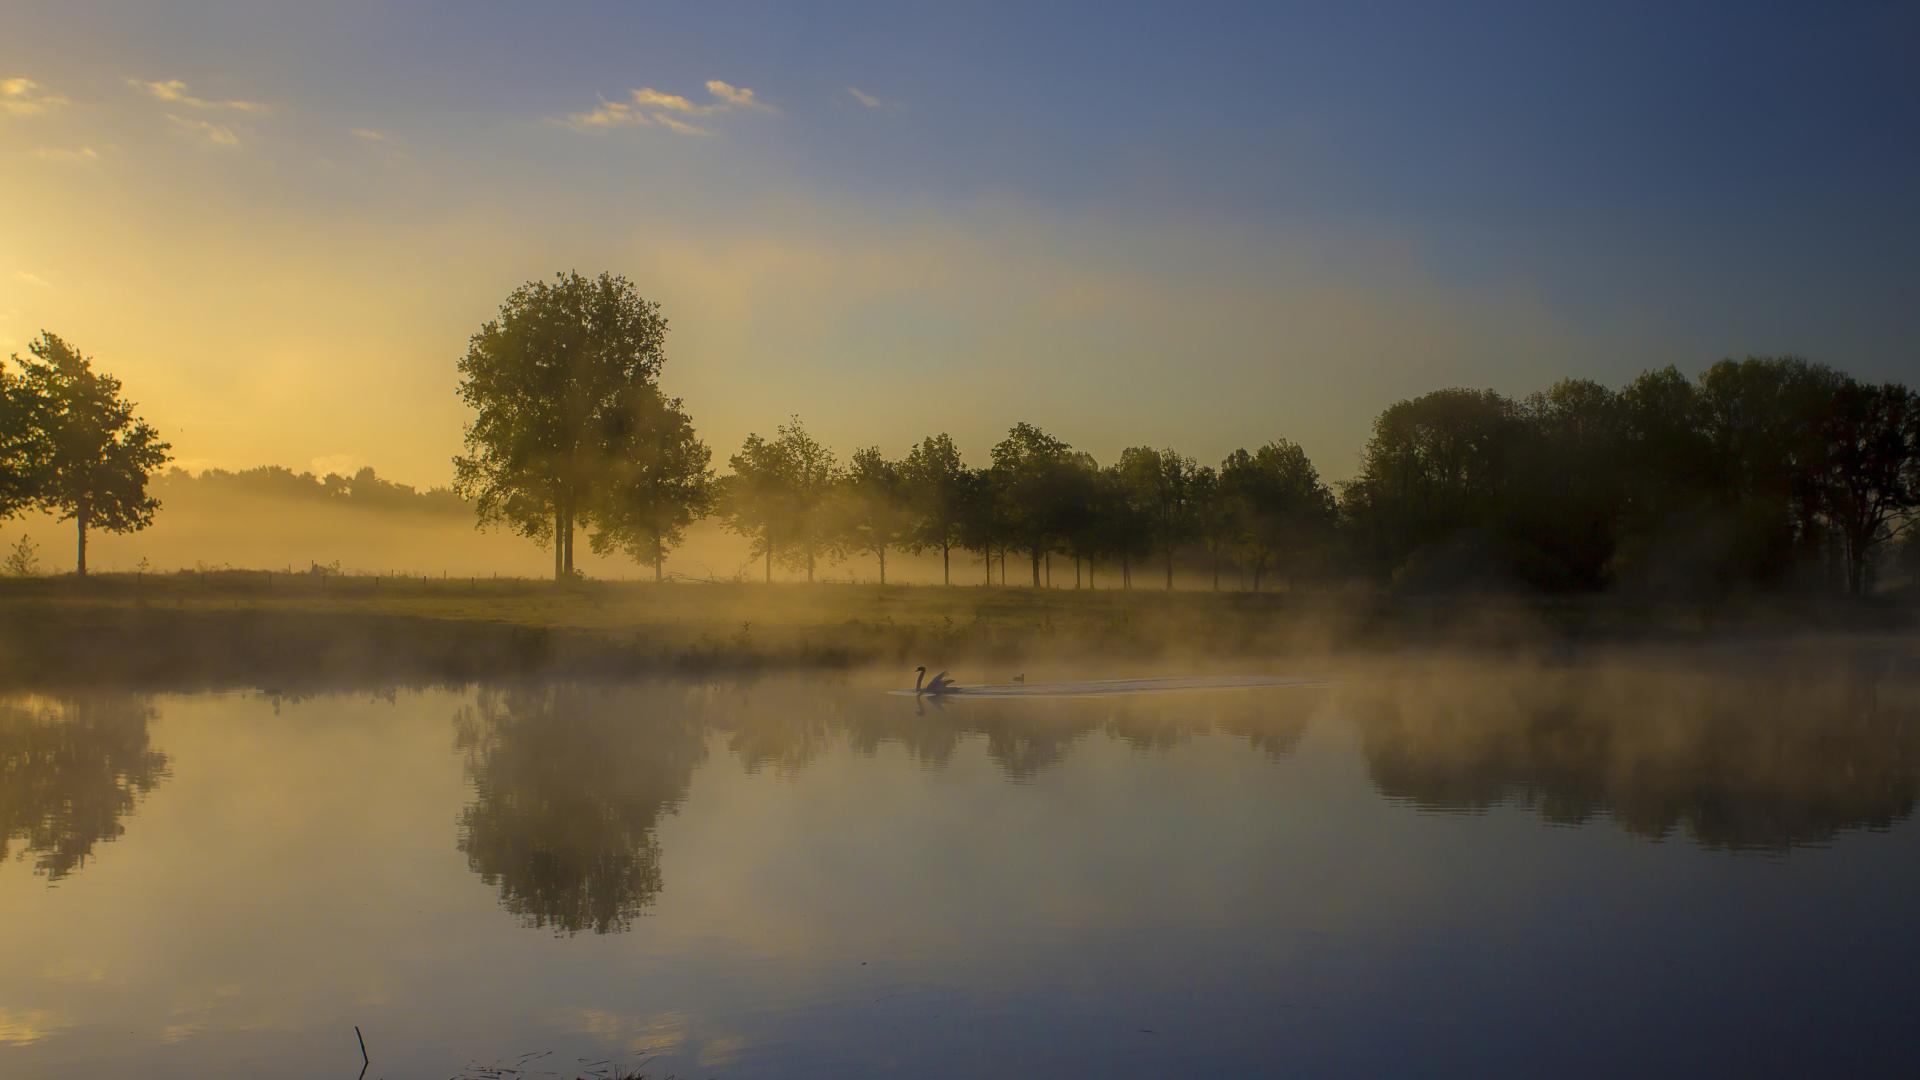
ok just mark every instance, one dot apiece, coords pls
pixel 1258 569
pixel 1035 556
pixel 1049 569
pixel 883 566
pixel 769 560
pixel 986 559
pixel 569 536
pixel 809 564
pixel 946 563
pixel 80 529
pixel 659 566
pixel 1216 570
pixel 559 554
pixel 1076 573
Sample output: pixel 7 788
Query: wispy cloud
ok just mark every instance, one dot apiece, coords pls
pixel 21 96
pixel 648 98
pixel 372 136
pixel 737 96
pixel 206 130
pixel 62 153
pixel 866 99
pixel 173 91
pixel 28 277
pixel 610 114
pixel 649 106
pixel 681 127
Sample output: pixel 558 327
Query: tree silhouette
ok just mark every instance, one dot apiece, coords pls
pixel 552 382
pixel 874 511
pixel 936 483
pixel 94 456
pixel 1873 447
pixel 1280 510
pixel 657 482
pixel 1161 486
pixel 1030 478
pixel 779 497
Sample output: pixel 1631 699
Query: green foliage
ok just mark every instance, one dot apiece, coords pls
pixel 1276 512
pixel 1163 489
pixel 874 508
pixel 1031 481
pixel 938 487
pixel 780 495
pixel 85 457
pixel 658 480
pixel 553 382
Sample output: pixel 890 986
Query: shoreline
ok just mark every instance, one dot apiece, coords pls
pixel 235 629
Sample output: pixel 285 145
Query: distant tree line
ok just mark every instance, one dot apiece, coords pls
pixel 70 445
pixel 363 489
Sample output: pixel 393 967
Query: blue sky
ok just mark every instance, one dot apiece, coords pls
pixel 1206 225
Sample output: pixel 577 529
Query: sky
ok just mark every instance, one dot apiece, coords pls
pixel 1197 225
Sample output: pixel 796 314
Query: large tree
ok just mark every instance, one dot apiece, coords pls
pixel 548 379
pixel 936 483
pixel 87 457
pixel 658 481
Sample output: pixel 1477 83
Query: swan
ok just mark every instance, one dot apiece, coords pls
pixel 940 684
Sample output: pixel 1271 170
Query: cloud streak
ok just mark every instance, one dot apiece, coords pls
pixel 646 107
pixel 21 96
pixel 206 130
pixel 174 92
pixel 62 153
pixel 867 100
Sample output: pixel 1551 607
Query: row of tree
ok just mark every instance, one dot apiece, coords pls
pixel 71 445
pixel 1759 472
pixel 1263 510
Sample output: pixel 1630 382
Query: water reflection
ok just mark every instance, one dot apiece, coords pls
pixel 1739 759
pixel 569 783
pixel 70 769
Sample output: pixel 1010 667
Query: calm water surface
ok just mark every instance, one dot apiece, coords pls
pixel 1428 867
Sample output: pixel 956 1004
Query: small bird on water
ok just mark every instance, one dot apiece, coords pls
pixel 1020 678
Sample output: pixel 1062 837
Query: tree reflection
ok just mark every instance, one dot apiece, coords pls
pixel 569 783
pixel 70 770
pixel 1740 759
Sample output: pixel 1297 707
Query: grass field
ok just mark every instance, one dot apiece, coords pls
pixel 276 629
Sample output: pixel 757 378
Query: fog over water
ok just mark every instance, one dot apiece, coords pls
pixel 1434 860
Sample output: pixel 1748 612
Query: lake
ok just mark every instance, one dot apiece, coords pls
pixel 1571 864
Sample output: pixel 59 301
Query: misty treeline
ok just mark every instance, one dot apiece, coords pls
pixel 1762 472
pixel 70 444
pixel 362 489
